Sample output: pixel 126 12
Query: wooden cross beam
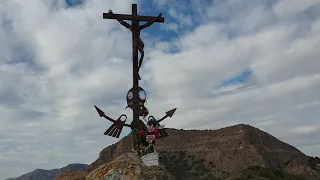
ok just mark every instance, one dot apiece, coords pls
pixel 130 17
pixel 133 17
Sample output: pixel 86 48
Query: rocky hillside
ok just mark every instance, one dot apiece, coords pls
pixel 127 166
pixel 40 174
pixel 232 152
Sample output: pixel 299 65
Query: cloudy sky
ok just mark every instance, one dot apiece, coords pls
pixel 221 63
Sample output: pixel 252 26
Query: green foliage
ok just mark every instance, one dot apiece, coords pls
pixel 189 167
pixel 182 167
pixel 256 172
pixel 201 168
pixel 182 154
pixel 210 177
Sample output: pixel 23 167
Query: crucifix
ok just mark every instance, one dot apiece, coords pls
pixel 136 96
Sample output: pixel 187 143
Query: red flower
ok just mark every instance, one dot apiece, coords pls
pixel 156 133
pixel 141 133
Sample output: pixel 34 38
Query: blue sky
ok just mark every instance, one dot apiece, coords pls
pixel 56 62
pixel 74 3
pixel 239 78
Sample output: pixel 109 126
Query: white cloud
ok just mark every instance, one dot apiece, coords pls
pixel 171 27
pixel 72 59
pixel 288 8
pixel 307 129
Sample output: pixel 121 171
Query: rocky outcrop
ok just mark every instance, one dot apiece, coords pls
pixel 126 167
pixel 73 175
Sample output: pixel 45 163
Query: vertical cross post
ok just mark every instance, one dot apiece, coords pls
pixel 135 35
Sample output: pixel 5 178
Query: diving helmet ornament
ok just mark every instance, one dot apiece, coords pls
pixel 136 97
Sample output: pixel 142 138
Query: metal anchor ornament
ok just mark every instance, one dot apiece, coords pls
pixel 136 96
pixel 117 126
pixel 156 123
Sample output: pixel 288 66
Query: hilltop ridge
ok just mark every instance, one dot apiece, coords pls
pixel 41 174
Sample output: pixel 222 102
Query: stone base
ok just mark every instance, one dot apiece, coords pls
pixel 151 159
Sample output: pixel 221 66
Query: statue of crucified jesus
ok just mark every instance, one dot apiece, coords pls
pixel 139 43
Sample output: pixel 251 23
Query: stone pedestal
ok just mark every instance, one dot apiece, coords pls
pixel 151 159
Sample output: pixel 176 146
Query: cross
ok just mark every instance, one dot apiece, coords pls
pixel 137 44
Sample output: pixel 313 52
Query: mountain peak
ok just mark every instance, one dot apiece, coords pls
pixel 41 174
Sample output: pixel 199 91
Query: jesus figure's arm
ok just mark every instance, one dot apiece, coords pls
pixel 122 22
pixel 149 23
